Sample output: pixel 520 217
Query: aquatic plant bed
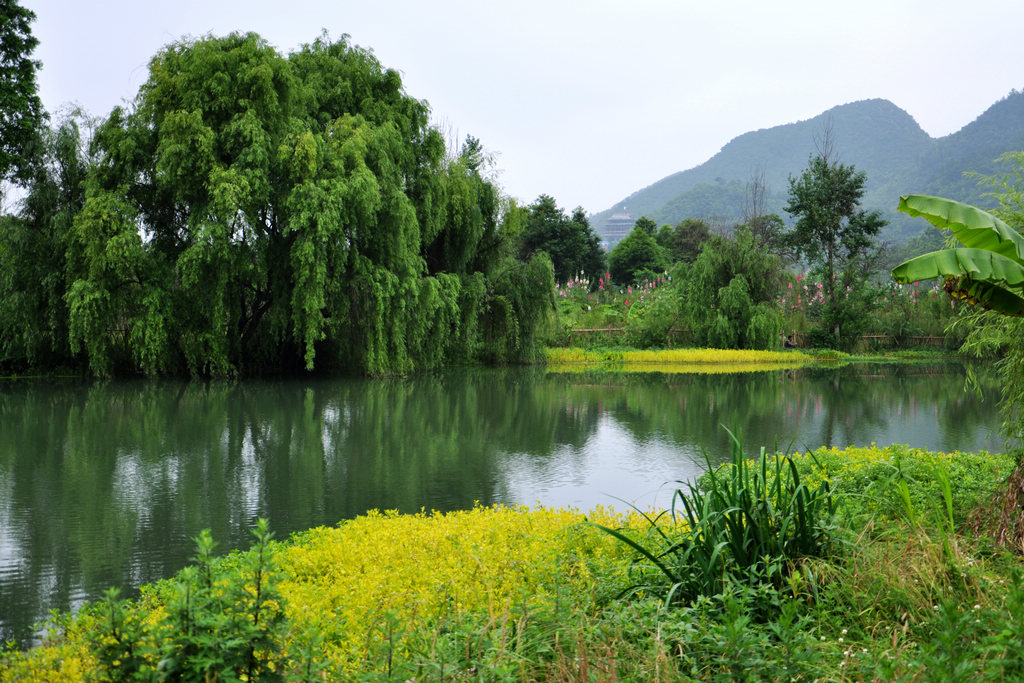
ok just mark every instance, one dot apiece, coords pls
pixel 514 593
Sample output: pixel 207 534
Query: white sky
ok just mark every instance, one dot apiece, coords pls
pixel 587 101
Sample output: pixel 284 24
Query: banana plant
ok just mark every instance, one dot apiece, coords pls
pixel 988 270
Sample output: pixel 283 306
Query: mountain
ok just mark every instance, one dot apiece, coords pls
pixel 875 136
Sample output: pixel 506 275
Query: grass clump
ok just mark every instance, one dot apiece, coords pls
pixel 752 522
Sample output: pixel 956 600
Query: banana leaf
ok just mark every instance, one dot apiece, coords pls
pixel 974 227
pixel 982 277
pixel 987 295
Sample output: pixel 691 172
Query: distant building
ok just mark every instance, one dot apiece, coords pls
pixel 617 227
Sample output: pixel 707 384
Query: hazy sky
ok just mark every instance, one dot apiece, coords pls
pixel 587 101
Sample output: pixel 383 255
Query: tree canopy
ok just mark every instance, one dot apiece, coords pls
pixel 647 225
pixel 569 241
pixel 21 112
pixel 831 230
pixel 637 256
pixel 33 246
pixel 253 212
pixel 728 295
pixel 683 241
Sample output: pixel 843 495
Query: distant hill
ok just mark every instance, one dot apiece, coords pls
pixel 876 136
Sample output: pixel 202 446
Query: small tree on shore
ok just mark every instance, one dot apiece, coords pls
pixel 636 256
pixel 831 231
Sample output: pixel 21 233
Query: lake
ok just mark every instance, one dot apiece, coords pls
pixel 106 483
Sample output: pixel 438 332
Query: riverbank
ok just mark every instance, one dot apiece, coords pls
pixel 533 594
pixel 562 355
pixel 717 361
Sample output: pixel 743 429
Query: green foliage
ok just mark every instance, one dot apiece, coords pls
pixel 259 213
pixel 988 270
pixel 683 242
pixel 769 231
pixel 519 296
pixel 647 225
pixel 752 522
pixel 996 331
pixel 636 257
pixel 1007 184
pixel 644 315
pixel 222 621
pixel 728 297
pixel 833 233
pixel 715 201
pixel 928 239
pixel 569 241
pixel 118 642
pixel 33 252
pixel 651 318
pixel 528 595
pixel 21 112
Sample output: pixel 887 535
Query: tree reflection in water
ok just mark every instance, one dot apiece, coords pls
pixel 106 483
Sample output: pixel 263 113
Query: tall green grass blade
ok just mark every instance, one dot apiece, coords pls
pixel 749 520
pixel 637 547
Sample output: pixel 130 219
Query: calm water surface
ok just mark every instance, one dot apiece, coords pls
pixel 105 484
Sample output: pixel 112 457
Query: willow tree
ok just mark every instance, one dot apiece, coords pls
pixel 727 296
pixel 33 246
pixel 253 211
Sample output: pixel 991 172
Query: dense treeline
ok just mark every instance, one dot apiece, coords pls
pixel 253 212
pixel 762 284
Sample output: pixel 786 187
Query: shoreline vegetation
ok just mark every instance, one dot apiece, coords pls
pixel 712 361
pixel 672 361
pixel 501 593
pixel 674 356
pixel 255 213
